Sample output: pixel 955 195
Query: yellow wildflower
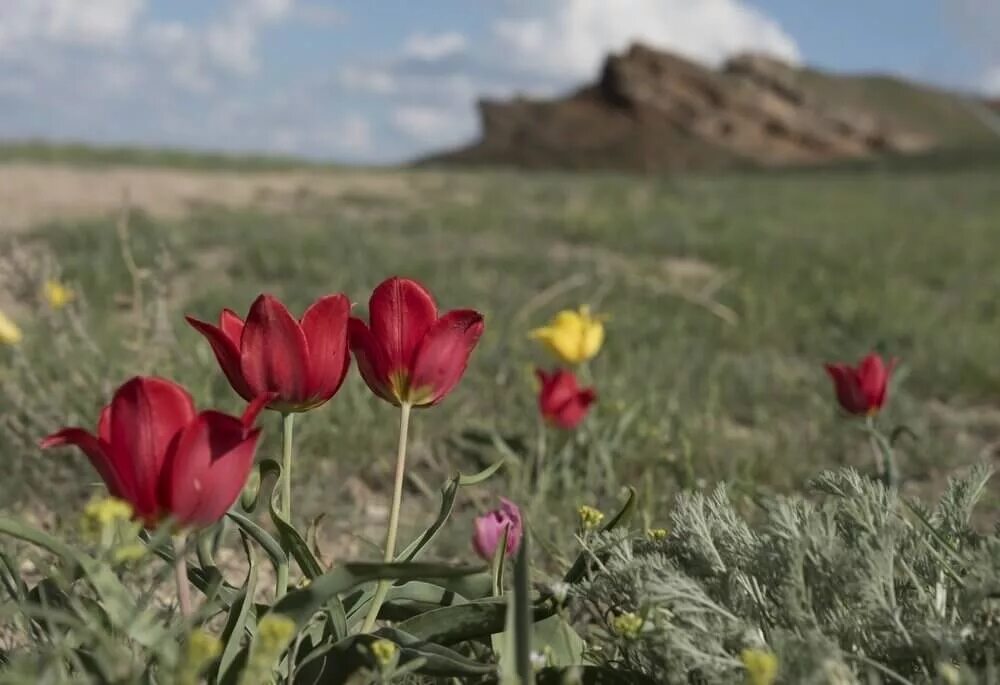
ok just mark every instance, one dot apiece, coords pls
pixel 761 665
pixel 627 625
pixel 384 652
pixel 10 334
pixel 101 514
pixel 573 335
pixel 199 650
pixel 126 554
pixel 274 632
pixel 657 533
pixel 57 294
pixel 590 517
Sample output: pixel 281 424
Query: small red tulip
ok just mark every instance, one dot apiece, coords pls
pixel 561 400
pixel 302 364
pixel 410 354
pixel 489 530
pixel 155 452
pixel 861 390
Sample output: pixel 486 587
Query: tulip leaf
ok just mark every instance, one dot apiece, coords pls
pixel 559 641
pixel 448 496
pixel 299 605
pixel 472 620
pixel 271 546
pixel 294 543
pixel 335 664
pixel 579 567
pixel 523 618
pixel 302 604
pixel 239 613
pixel 467 587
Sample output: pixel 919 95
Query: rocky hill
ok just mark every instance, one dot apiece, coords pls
pixel 655 111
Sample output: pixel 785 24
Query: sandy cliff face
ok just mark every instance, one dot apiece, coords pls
pixel 655 111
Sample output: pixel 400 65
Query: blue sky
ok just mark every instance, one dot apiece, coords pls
pixel 383 81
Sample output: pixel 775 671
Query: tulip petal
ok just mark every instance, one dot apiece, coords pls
pixel 227 352
pixel 98 452
pixel 443 355
pixel 371 360
pixel 208 469
pixel 401 312
pixel 146 418
pixel 231 325
pixel 845 383
pixel 325 327
pixel 872 378
pixel 274 353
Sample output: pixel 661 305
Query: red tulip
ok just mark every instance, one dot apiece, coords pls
pixel 561 400
pixel 153 451
pixel 489 530
pixel 302 364
pixel 861 390
pixel 410 354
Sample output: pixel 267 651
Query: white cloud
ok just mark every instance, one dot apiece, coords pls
pixel 430 125
pixel 368 79
pixel 572 38
pixel 71 22
pixel 434 46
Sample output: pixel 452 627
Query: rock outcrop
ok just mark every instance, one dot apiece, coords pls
pixel 655 111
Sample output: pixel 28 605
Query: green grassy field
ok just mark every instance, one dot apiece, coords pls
pixel 725 295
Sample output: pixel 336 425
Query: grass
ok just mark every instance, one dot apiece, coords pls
pixel 725 296
pixel 83 154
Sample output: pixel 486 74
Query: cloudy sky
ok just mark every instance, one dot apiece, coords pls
pixel 379 81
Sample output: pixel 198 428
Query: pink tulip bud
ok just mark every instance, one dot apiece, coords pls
pixel 490 527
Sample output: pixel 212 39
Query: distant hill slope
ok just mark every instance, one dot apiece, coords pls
pixel 654 111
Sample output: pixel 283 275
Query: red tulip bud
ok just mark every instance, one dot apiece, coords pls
pixel 861 390
pixel 561 400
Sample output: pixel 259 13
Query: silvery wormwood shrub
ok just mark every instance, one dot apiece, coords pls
pixel 854 585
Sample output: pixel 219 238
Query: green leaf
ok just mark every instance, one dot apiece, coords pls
pixel 335 664
pixel 523 618
pixel 239 614
pixel 448 496
pixel 118 603
pixel 469 621
pixel 271 546
pixel 556 638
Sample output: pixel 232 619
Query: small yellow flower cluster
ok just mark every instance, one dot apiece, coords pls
pixel 590 518
pixel 200 649
pixel 384 652
pixel 103 513
pixel 274 632
pixel 10 334
pixel 57 294
pixel 657 533
pixel 574 336
pixel 627 625
pixel 761 665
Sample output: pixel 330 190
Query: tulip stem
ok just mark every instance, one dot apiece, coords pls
pixel 287 431
pixel 884 456
pixel 287 434
pixel 180 573
pixel 382 589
